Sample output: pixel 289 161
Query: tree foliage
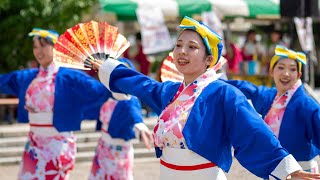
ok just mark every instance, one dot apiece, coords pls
pixel 18 17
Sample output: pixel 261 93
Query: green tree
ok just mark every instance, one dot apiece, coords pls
pixel 18 17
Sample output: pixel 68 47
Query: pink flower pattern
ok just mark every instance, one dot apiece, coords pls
pixel 278 107
pixel 168 130
pixel 107 110
pixel 40 93
pixel 111 161
pixel 46 157
pixel 50 157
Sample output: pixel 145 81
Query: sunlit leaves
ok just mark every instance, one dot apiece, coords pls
pixel 18 17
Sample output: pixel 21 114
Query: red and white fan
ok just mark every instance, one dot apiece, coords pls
pixel 169 72
pixel 86 42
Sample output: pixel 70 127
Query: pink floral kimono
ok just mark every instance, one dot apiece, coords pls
pixel 48 154
pixel 114 156
pixel 177 161
pixel 274 120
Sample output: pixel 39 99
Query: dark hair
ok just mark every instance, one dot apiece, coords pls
pixel 138 36
pixel 278 32
pixel 44 41
pixel 249 32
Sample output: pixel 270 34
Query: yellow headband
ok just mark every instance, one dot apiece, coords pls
pixel 211 39
pixel 282 52
pixel 48 34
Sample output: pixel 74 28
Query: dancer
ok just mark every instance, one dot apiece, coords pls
pixel 292 115
pixel 114 153
pixel 201 118
pixel 52 100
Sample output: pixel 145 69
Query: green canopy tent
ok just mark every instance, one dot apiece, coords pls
pixel 126 9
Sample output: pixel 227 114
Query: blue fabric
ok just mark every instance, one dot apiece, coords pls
pixel 75 92
pixel 299 130
pixel 127 62
pixel 220 118
pixel 125 115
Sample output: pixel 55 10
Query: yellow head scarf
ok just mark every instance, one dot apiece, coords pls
pixel 211 39
pixel 282 52
pixel 50 35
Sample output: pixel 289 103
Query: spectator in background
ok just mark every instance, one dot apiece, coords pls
pixel 233 56
pixel 252 49
pixel 275 39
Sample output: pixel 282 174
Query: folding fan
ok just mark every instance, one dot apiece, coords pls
pixel 87 42
pixel 169 72
pixel 222 61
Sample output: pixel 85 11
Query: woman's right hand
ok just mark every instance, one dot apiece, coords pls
pixel 96 64
pixel 29 109
pixel 304 175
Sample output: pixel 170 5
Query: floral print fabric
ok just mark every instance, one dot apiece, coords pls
pixel 48 157
pixel 278 107
pixel 168 131
pixel 112 162
pixel 52 156
pixel 40 93
pixel 114 157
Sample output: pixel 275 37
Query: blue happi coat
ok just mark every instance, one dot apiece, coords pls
pixel 75 93
pixel 221 117
pixel 300 126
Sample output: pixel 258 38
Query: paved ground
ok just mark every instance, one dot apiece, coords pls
pixel 143 170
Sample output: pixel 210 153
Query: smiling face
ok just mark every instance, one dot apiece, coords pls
pixel 42 51
pixel 190 55
pixel 285 74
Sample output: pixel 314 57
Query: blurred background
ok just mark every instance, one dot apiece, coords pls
pixel 250 30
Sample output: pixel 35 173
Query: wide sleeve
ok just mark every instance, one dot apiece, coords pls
pixel 120 79
pixel 91 90
pixel 10 84
pixel 90 93
pixel 255 146
pixel 313 123
pixel 135 110
pixel 260 96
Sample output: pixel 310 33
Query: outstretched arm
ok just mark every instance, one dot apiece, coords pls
pixel 91 93
pixel 250 90
pixel 260 96
pixel 120 79
pixel 256 148
pixel 313 122
pixel 304 175
pixel 134 110
pixel 11 83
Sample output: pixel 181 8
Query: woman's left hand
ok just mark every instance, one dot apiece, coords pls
pixel 146 136
pixel 304 175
